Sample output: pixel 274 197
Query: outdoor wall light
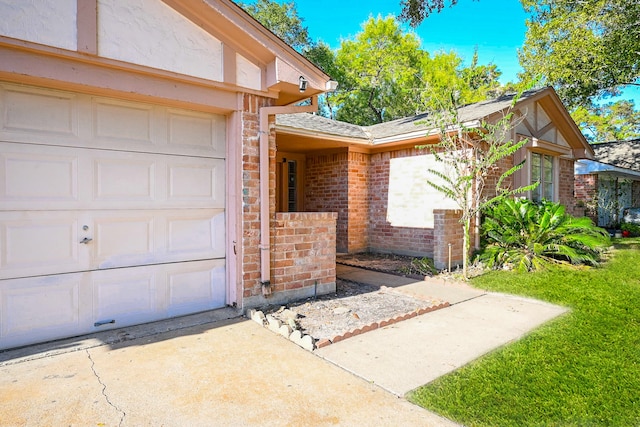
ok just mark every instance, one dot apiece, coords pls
pixel 302 84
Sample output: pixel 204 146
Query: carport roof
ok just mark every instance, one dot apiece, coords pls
pixel 621 154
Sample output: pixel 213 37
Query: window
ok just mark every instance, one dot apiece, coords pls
pixel 542 171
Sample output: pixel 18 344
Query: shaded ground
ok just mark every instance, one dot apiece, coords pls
pixel 387 263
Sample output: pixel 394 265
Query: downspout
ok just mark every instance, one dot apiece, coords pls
pixel 265 235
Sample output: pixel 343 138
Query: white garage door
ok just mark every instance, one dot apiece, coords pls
pixel 111 213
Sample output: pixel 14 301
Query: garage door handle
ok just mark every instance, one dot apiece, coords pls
pixel 86 240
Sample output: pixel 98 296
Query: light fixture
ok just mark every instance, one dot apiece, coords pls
pixel 302 85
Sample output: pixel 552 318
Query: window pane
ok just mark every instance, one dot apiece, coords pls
pixel 548 169
pixel 536 194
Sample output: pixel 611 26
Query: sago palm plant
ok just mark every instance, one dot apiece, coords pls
pixel 529 236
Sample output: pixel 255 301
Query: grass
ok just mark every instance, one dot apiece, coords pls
pixel 582 369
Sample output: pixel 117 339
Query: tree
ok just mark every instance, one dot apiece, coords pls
pixel 471 157
pixel 282 20
pixel 385 75
pixel 381 67
pixel 584 49
pixel 325 58
pixel 415 11
pixel 614 121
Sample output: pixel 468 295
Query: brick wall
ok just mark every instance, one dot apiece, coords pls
pixel 383 236
pixel 447 230
pixel 566 187
pixel 586 192
pixel 327 190
pixel 303 255
pixel 250 222
pixel 358 215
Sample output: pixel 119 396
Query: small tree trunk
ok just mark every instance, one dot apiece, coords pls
pixel 466 226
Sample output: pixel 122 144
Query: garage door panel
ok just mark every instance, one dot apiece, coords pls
pixel 34 243
pixel 124 296
pixel 37 111
pixel 37 176
pixel 122 121
pixel 197 289
pixel 195 234
pixel 124 179
pixel 36 309
pixel 198 180
pixel 197 131
pixel 51 117
pixel 123 239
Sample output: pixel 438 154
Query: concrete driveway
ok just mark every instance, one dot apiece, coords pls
pixel 227 373
pixel 216 369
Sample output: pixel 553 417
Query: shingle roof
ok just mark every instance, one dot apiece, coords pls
pixel 622 154
pixel 424 122
pixel 315 123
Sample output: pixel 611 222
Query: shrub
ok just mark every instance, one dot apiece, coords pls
pixel 633 229
pixel 529 236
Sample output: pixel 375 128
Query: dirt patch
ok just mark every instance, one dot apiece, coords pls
pixel 400 265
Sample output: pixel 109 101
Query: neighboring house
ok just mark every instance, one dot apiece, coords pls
pixel 131 190
pixel 376 178
pixel 609 182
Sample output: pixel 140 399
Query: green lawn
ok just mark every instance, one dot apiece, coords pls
pixel 583 369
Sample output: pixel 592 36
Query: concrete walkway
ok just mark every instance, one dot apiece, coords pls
pixel 208 370
pixel 414 352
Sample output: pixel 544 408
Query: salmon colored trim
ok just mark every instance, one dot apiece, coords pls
pixel 87 22
pixel 74 62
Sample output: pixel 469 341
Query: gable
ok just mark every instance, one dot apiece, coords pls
pixel 214 40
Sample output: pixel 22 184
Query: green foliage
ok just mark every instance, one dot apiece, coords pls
pixel 614 121
pixel 579 370
pixel 633 229
pixel 582 48
pixel 530 236
pixel 469 158
pixel 415 11
pixel 383 75
pixel 282 20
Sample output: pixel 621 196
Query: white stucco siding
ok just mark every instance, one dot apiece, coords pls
pixel 150 33
pixel 48 22
pixel 411 198
pixel 248 74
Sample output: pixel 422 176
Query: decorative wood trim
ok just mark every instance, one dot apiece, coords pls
pixel 87 23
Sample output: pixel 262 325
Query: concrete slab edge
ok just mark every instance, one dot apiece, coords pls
pixel 309 343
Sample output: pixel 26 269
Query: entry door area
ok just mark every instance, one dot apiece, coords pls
pixel 112 213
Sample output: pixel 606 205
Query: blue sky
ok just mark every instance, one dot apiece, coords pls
pixel 496 27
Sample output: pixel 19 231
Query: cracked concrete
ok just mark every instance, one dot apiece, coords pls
pixel 229 373
pixel 104 388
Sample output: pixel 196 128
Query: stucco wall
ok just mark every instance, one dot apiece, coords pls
pixel 48 22
pixel 148 32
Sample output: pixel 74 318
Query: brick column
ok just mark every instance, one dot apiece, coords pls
pixel 447 230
